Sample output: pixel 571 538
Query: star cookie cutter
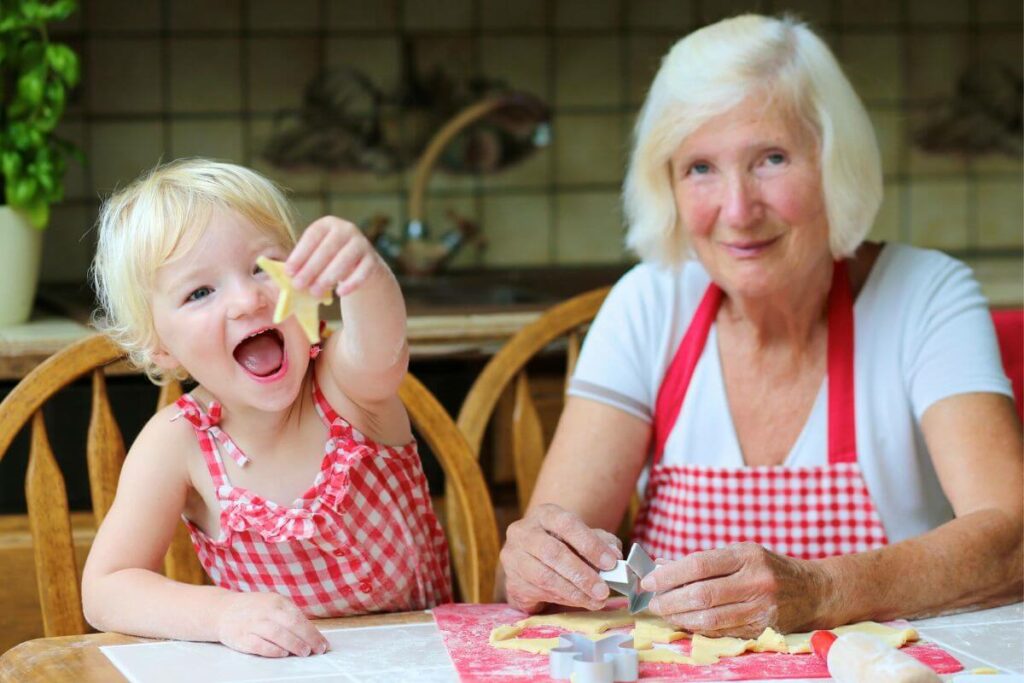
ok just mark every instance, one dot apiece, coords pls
pixel 626 576
pixel 608 660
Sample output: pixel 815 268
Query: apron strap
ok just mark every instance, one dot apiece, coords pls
pixel 680 371
pixel 842 435
pixel 842 427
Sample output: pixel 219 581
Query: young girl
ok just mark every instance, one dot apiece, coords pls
pixel 292 465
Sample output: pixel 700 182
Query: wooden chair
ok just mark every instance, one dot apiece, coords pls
pixel 506 371
pixel 475 552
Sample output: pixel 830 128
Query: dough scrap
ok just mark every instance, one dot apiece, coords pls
pixel 650 629
pixel 538 646
pixel 771 640
pixel 710 650
pixel 588 623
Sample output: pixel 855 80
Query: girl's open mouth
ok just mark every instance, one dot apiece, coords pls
pixel 262 355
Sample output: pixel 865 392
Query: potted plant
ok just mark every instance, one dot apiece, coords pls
pixel 35 76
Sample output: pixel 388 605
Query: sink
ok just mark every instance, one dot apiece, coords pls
pixel 476 293
pixel 497 290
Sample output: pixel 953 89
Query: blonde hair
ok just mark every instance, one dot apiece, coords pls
pixel 713 70
pixel 158 218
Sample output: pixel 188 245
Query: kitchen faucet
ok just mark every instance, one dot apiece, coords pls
pixel 416 253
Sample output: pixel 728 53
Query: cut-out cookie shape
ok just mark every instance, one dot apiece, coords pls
pixel 303 304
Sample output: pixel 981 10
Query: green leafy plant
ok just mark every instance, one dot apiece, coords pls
pixel 35 77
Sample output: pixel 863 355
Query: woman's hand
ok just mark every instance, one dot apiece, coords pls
pixel 332 254
pixel 267 624
pixel 551 556
pixel 738 590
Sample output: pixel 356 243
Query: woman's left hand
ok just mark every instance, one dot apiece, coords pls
pixel 332 254
pixel 738 590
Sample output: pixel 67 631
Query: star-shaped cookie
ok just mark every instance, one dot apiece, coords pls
pixel 303 304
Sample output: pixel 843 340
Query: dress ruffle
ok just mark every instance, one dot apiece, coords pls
pixel 277 523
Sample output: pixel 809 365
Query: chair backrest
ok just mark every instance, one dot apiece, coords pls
pixel 475 550
pixel 473 537
pixel 46 496
pixel 567 319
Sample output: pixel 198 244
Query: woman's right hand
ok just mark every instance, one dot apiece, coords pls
pixel 269 625
pixel 551 556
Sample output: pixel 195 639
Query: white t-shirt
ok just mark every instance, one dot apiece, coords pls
pixel 923 332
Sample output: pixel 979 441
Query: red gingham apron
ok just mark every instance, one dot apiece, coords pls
pixel 363 538
pixel 804 512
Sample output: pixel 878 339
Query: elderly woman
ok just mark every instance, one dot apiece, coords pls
pixel 820 427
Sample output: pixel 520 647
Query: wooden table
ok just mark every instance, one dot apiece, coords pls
pixel 987 638
pixel 77 659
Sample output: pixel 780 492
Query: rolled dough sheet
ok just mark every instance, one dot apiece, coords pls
pixel 649 629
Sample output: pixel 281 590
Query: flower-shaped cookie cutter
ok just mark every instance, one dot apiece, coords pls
pixel 608 660
pixel 626 576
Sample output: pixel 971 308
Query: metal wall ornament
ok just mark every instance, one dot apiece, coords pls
pixel 347 123
pixel 983 116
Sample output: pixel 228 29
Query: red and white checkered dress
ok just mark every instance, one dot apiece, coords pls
pixel 363 538
pixel 804 512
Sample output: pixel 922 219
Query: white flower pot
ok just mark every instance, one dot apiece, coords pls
pixel 21 250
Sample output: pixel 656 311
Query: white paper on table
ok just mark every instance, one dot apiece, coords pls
pixel 373 653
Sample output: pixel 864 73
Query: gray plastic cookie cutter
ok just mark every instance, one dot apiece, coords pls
pixel 608 660
pixel 626 576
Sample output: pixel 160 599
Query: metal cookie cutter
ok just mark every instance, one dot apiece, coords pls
pixel 608 660
pixel 625 578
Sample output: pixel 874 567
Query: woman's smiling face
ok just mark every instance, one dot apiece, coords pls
pixel 747 187
pixel 213 313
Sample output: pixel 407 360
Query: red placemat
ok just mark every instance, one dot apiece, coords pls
pixel 466 629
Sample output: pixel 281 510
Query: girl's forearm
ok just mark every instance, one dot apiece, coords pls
pixel 374 323
pixel 143 603
pixel 974 561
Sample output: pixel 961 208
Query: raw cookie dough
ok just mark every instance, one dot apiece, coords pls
pixel 290 300
pixel 710 650
pixel 707 649
pixel 588 623
pixel 800 643
pixel 649 629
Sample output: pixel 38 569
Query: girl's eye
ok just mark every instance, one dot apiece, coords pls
pixel 198 294
pixel 700 168
pixel 256 270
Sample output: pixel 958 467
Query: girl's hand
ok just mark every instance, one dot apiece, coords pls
pixel 332 254
pixel 269 625
pixel 738 590
pixel 550 555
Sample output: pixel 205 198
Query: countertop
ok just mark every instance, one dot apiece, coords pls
pixel 464 313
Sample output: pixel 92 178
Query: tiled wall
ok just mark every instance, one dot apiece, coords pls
pixel 169 78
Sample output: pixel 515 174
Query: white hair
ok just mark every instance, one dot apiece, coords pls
pixel 714 69
pixel 156 219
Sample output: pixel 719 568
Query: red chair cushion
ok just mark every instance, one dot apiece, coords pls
pixel 1010 332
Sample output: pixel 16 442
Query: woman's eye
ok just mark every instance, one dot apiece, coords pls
pixel 700 168
pixel 198 294
pixel 776 158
